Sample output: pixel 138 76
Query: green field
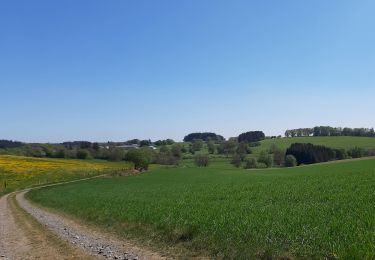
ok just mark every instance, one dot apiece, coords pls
pixel 346 142
pixel 318 211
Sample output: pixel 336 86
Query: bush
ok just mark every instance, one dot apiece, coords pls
pixel 116 154
pixel 201 160
pixel 265 158
pixel 236 160
pixel 176 151
pixel 140 157
pixel 211 147
pixel 82 154
pixel 261 165
pixel 371 152
pixel 290 161
pixel 167 156
pixel 197 145
pixel 340 154
pixel 356 152
pixel 254 144
pixel 278 156
pixel 250 163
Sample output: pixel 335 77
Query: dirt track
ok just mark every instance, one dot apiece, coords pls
pixel 21 237
pixel 29 232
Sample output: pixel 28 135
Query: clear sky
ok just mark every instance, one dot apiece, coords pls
pixel 115 70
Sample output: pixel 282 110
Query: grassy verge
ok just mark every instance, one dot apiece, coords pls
pixel 314 212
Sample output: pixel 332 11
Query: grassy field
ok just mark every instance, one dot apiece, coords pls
pixel 18 172
pixel 345 142
pixel 313 211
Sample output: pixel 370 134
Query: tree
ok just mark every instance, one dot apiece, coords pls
pixel 309 153
pixel 278 156
pixel 265 158
pixel 211 147
pixel 290 161
pixel 236 160
pixel 82 154
pixel 201 160
pixel 252 136
pixel 203 136
pixel 60 153
pixel 116 154
pixel 168 156
pixel 197 145
pixel 176 151
pixel 227 147
pixel 10 144
pixel 242 150
pixel 96 147
pixel 145 143
pixel 140 157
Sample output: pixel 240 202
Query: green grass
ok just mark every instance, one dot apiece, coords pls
pixel 345 142
pixel 313 211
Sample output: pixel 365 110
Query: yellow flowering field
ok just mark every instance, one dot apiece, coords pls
pixel 20 172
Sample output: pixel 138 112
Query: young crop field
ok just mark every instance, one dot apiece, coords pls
pixel 317 211
pixel 339 142
pixel 20 172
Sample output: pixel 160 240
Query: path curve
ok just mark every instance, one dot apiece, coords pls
pixel 91 241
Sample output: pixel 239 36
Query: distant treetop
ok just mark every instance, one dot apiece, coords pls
pixel 252 136
pixel 330 131
pixel 203 136
pixel 10 144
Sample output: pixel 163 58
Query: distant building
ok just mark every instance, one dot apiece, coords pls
pixel 128 146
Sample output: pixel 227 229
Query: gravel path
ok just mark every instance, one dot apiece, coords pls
pixel 11 236
pixel 91 241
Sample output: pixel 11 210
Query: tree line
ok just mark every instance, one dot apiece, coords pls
pixel 330 131
pixel 203 136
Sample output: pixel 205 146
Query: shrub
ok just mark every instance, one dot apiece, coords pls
pixel 250 163
pixel 176 151
pixel 290 161
pixel 82 154
pixel 116 154
pixel 168 156
pixel 197 145
pixel 254 144
pixel 140 157
pixel 201 160
pixel 356 152
pixel 278 156
pixel 340 154
pixel 236 160
pixel 265 158
pixel 371 152
pixel 262 165
pixel 211 147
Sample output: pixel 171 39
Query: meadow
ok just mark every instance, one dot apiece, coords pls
pixel 338 142
pixel 316 211
pixel 17 172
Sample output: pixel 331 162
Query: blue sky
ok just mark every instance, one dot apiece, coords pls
pixel 115 70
